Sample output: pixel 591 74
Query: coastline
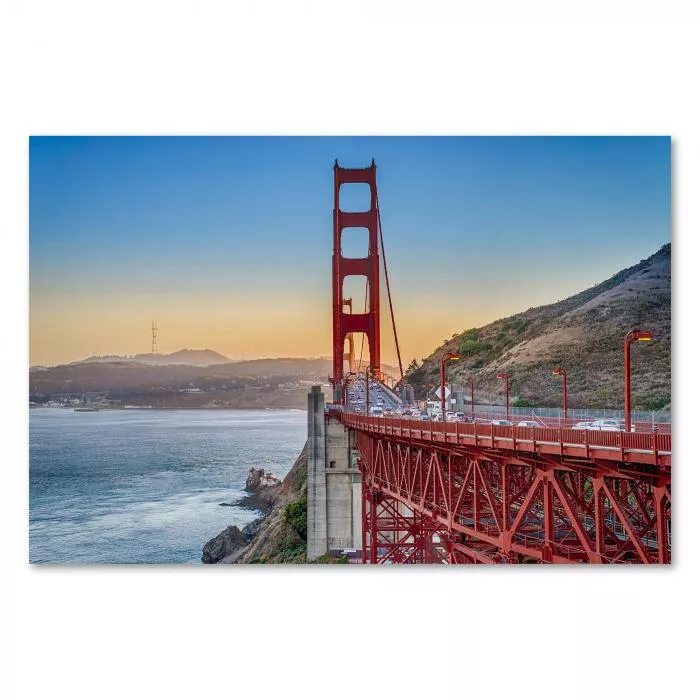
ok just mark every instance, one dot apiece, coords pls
pixel 277 536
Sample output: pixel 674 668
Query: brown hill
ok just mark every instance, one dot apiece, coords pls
pixel 122 374
pixel 133 376
pixel 584 334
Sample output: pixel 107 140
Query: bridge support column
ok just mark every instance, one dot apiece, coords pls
pixel 316 525
pixel 334 498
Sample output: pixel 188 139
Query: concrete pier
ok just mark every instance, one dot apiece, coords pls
pixel 334 506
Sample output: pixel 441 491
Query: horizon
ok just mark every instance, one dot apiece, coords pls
pixel 226 241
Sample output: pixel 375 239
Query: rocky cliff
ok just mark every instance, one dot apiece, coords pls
pixel 279 536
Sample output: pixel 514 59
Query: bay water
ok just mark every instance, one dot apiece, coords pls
pixel 144 486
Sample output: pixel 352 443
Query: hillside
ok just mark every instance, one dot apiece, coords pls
pixel 276 538
pixel 281 538
pixel 584 334
pixel 133 375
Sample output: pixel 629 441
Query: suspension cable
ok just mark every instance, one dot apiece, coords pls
pixel 362 344
pixel 388 290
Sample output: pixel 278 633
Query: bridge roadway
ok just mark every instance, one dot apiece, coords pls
pixel 630 448
pixel 471 492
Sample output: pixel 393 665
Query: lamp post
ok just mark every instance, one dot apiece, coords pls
pixel 560 371
pixel 503 375
pixel 471 382
pixel 445 357
pixel 629 339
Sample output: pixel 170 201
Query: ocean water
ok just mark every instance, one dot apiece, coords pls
pixel 144 486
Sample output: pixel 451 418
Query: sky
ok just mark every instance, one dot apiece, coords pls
pixel 227 241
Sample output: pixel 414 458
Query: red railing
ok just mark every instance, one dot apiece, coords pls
pixel 520 438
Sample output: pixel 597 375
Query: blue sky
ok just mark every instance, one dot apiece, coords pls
pixel 214 233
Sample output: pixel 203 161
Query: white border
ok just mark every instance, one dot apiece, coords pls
pixel 360 68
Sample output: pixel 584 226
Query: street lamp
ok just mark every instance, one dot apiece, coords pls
pixel 471 382
pixel 629 339
pixel 503 375
pixel 445 357
pixel 560 371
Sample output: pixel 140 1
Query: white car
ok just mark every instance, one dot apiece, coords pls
pixel 606 424
pixel 501 421
pixel 581 425
pixel 528 424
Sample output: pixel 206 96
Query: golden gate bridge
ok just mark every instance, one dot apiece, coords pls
pixel 452 492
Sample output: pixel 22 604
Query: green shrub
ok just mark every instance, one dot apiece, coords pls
pixel 328 559
pixel 295 516
pixel 292 553
pixel 653 403
pixel 472 347
pixel 523 403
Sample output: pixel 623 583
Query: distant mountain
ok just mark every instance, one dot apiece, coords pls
pixel 112 373
pixel 133 374
pixel 196 358
pixel 584 334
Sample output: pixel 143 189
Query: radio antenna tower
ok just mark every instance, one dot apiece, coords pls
pixel 154 333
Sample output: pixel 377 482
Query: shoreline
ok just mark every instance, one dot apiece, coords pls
pixel 273 537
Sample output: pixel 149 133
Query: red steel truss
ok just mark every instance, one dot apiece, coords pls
pixel 368 267
pixel 470 493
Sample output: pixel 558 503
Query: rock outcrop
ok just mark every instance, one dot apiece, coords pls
pixel 229 542
pixel 257 478
pixel 270 539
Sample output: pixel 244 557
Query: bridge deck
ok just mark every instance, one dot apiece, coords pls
pixel 630 448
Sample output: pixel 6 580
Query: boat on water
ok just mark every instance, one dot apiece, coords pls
pixel 84 409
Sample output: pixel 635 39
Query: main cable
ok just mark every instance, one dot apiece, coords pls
pixel 388 290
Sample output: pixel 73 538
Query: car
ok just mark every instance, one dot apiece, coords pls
pixel 606 424
pixel 501 421
pixel 528 424
pixel 581 425
pixel 459 415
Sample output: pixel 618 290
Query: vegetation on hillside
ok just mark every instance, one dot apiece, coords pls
pixel 583 333
pixel 282 535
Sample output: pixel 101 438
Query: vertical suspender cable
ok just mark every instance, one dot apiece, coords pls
pixel 362 345
pixel 388 289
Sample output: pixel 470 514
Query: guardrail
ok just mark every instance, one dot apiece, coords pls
pixel 544 421
pixel 519 437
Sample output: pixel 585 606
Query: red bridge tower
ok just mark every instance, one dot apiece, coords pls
pixel 367 322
